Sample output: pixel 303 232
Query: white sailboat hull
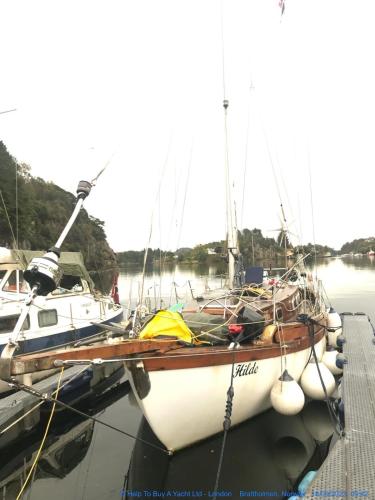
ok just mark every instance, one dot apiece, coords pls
pixel 184 406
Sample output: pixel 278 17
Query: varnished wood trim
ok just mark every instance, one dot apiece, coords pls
pixel 215 356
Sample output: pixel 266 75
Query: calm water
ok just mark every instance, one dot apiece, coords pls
pixel 83 460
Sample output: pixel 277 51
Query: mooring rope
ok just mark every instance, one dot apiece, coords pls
pixel 336 424
pixel 44 436
pixel 45 397
pixel 3 431
pixel 226 424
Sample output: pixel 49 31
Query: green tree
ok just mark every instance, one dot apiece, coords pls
pixel 37 211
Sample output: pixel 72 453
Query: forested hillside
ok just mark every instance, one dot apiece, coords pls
pixel 361 245
pixel 253 245
pixel 43 210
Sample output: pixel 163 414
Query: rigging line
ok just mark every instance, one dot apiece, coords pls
pixel 157 197
pixel 300 223
pixel 7 111
pixel 184 203
pixel 222 45
pixel 172 220
pixel 10 226
pixel 326 294
pixel 226 166
pixel 16 205
pixel 283 182
pixel 93 182
pixel 185 193
pixel 289 205
pixel 273 168
pixel 274 174
pixel 272 165
pixel 160 252
pixel 3 431
pixel 246 150
pixel 231 237
pixel 44 437
pixel 312 210
pixel 45 397
pixel 299 261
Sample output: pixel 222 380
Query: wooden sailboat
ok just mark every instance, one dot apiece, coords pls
pixel 182 392
pixel 244 338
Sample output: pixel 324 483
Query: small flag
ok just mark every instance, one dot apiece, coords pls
pixel 114 290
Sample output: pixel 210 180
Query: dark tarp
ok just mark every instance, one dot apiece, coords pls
pixel 71 262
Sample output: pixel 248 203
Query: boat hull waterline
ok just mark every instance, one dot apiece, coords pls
pixel 186 405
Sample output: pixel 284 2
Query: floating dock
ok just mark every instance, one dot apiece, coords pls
pixel 15 406
pixel 349 470
pixel 21 411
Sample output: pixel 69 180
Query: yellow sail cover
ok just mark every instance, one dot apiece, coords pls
pixel 168 324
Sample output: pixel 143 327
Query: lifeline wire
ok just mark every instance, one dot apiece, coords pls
pixel 45 397
pixel 312 211
pixel 6 429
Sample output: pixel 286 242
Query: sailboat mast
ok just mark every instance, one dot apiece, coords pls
pixel 285 234
pixel 233 252
pixel 232 238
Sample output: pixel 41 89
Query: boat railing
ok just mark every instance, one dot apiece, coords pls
pixel 163 295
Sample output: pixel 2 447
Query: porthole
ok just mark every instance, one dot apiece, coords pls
pixel 279 314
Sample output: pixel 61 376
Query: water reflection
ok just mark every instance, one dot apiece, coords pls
pixel 362 262
pixel 67 444
pixel 271 452
pixel 103 279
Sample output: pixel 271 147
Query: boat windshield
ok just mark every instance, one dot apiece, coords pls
pixel 69 284
pixel 2 274
pixel 15 278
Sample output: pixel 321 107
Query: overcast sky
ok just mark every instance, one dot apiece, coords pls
pixel 140 83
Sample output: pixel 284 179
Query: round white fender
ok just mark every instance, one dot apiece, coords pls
pixel 287 396
pixel 334 326
pixel 311 383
